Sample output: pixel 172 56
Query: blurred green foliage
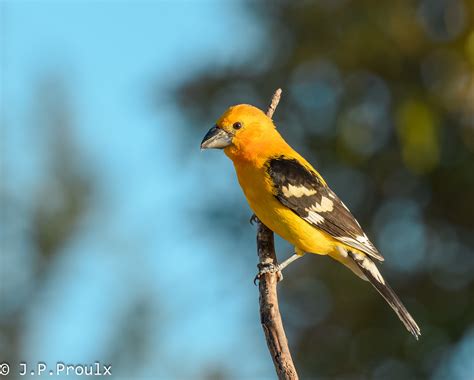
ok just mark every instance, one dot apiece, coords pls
pixel 380 97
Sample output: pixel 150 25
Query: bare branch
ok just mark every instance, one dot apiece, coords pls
pixel 269 310
pixel 273 105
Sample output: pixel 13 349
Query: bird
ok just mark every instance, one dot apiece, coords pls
pixel 289 196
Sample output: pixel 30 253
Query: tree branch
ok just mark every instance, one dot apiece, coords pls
pixel 269 311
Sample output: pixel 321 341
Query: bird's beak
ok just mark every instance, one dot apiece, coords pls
pixel 216 138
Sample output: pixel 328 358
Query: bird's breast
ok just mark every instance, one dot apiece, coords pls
pixel 258 190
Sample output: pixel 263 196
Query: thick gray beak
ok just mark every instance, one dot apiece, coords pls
pixel 216 138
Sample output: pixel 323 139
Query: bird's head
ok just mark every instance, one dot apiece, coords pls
pixel 239 130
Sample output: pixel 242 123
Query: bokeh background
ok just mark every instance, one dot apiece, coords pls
pixel 122 243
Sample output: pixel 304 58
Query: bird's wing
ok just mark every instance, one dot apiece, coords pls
pixel 304 192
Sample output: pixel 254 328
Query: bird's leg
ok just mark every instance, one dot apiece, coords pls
pixel 272 268
pixel 253 219
pixel 289 260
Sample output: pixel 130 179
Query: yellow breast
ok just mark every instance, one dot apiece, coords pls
pixel 258 190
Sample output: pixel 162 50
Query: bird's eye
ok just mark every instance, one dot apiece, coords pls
pixel 237 125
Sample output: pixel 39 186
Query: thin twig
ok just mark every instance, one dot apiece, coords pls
pixel 269 311
pixel 273 105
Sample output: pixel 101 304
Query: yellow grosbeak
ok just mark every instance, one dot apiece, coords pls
pixel 291 198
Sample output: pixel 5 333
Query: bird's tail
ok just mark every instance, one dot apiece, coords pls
pixel 369 269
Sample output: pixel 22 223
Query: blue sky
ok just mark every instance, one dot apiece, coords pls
pixel 138 240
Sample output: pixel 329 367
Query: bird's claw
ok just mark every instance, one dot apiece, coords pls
pixel 268 268
pixel 253 219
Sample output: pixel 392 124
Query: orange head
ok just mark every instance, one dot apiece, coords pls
pixel 243 131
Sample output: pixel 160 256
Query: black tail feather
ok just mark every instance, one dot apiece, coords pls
pixel 369 269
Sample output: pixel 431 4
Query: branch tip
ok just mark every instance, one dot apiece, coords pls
pixel 274 103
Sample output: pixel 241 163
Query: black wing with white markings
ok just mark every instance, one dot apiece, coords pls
pixel 301 190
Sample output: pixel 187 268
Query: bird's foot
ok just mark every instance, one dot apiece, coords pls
pixel 268 268
pixel 253 219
